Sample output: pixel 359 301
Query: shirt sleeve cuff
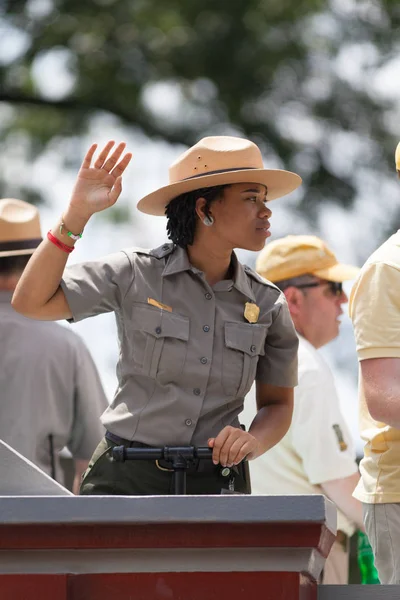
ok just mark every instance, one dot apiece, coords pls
pixel 69 295
pixel 365 353
pixel 288 381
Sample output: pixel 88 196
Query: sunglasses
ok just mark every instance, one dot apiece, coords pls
pixel 335 287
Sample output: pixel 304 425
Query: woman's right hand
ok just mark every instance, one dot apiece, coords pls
pixel 99 186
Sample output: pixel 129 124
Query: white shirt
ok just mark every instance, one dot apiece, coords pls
pixel 318 446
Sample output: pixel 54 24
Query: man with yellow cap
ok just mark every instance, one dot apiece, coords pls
pixel 51 395
pixel 316 456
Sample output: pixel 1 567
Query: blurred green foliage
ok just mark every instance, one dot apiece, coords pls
pixel 271 70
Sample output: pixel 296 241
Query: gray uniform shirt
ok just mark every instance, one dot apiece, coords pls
pixel 184 369
pixel 49 385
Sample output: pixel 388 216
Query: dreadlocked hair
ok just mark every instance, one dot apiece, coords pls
pixel 182 217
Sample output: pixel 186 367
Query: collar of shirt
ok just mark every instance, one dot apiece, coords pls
pixel 178 261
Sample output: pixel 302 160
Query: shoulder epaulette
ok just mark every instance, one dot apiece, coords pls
pixel 254 275
pixel 159 252
pixel 162 251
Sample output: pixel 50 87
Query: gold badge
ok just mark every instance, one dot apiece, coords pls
pixel 340 439
pixel 251 312
pixel 159 304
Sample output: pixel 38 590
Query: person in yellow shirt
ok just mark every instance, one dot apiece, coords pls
pixel 375 313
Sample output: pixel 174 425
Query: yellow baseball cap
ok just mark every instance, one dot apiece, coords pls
pixel 296 255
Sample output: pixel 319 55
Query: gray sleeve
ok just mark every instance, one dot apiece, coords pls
pixel 89 404
pixel 279 364
pixel 98 286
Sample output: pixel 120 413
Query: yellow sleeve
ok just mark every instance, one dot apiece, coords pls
pixel 374 308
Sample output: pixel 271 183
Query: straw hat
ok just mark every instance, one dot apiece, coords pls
pixel 296 255
pixel 19 227
pixel 219 160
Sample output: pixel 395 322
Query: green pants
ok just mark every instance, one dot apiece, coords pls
pixel 106 477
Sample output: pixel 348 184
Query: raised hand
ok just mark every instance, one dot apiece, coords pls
pixel 99 186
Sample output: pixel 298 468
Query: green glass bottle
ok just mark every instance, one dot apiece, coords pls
pixel 369 574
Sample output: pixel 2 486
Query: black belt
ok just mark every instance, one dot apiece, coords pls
pixel 122 442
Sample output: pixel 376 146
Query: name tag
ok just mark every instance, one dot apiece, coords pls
pixel 159 304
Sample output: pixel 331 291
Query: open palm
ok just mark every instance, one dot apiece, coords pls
pixel 99 186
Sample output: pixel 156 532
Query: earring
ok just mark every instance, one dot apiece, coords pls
pixel 208 221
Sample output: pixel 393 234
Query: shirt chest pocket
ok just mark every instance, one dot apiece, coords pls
pixel 159 343
pixel 242 348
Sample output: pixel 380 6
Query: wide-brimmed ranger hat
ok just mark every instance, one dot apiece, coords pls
pixel 19 227
pixel 220 160
pixel 296 255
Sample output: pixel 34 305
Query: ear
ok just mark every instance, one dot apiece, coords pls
pixel 200 204
pixel 295 299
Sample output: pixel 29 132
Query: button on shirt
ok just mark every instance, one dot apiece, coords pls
pixel 186 351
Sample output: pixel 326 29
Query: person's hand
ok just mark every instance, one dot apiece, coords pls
pixel 232 445
pixel 99 186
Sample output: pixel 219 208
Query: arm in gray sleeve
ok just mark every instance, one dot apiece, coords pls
pixel 279 364
pixel 89 404
pixel 98 286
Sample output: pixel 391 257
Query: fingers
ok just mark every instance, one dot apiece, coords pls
pixel 89 155
pixel 231 446
pixel 108 163
pixel 223 444
pixel 115 192
pixel 234 450
pixel 112 161
pixel 238 451
pixel 121 166
pixel 219 441
pixel 103 155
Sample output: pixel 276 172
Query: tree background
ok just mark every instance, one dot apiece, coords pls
pixel 314 83
pixel 305 80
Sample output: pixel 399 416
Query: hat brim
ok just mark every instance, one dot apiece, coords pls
pixel 17 252
pixel 338 273
pixel 278 183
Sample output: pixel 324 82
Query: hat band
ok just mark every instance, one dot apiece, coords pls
pixel 215 172
pixel 20 244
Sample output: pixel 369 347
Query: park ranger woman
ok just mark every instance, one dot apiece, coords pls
pixel 195 326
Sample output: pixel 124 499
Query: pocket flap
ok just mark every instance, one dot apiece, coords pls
pixel 245 338
pixel 160 323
